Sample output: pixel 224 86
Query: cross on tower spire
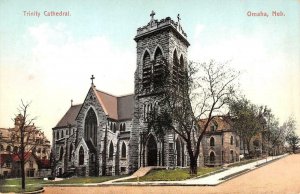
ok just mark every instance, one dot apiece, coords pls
pixel 178 17
pixel 92 78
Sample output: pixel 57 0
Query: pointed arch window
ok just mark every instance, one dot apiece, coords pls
pixel 147 70
pixel 61 153
pixel 123 150
pixel 175 67
pixel 231 140
pixel 115 127
pixel 57 134
pixel 90 127
pixel 213 126
pixel 181 71
pixel 70 152
pixel 212 157
pixel 111 151
pixel 81 156
pixel 158 68
pixel 212 141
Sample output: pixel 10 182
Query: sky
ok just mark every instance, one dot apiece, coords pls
pixel 48 60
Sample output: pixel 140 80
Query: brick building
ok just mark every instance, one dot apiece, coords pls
pixel 221 143
pixel 37 145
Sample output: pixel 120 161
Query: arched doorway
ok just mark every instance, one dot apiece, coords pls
pixel 212 157
pixel 178 151
pixel 151 151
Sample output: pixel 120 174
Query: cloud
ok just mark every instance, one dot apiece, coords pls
pixel 268 75
pixel 58 69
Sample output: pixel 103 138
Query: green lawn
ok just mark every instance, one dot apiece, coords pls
pixel 17 189
pixel 243 162
pixel 33 184
pixel 172 175
pixel 17 181
pixel 83 180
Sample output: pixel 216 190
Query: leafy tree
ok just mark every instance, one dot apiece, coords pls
pixel 248 120
pixel 292 138
pixel 275 135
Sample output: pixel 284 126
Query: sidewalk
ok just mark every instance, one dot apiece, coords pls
pixel 211 180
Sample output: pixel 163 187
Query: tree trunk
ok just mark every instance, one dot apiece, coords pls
pixel 22 160
pixel 248 148
pixel 23 172
pixel 193 166
pixel 193 159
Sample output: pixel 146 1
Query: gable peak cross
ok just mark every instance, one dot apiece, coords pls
pixel 152 15
pixel 92 78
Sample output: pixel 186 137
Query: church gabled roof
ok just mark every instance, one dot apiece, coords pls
pixel 116 107
pixel 69 117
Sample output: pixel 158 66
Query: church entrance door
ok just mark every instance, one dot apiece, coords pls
pixel 151 152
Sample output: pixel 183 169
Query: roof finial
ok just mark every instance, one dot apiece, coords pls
pixel 152 15
pixel 71 102
pixel 92 78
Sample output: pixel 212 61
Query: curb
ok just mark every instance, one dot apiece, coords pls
pixel 32 192
pixel 145 184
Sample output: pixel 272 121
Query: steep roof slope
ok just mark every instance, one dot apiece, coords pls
pixel 69 117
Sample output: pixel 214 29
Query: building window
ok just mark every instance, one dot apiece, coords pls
pixel 111 151
pixel 62 133
pixel 123 169
pixel 39 150
pixel 30 164
pixel 15 150
pixel 236 142
pixel 231 155
pixel 8 149
pixel 212 141
pixel 115 127
pixel 212 157
pixel 213 127
pixel 1 147
pixel 231 140
pixel 147 70
pixel 123 150
pixel 158 68
pixel 61 152
pixel 122 127
pixel 90 127
pixel 57 134
pixel 81 156
pixel 8 164
pixel 70 152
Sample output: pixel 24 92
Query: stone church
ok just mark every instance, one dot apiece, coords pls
pixel 105 134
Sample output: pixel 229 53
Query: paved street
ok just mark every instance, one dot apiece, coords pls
pixel 282 176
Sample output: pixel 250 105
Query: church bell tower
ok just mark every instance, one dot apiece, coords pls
pixel 160 44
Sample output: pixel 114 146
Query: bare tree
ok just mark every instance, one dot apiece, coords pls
pixel 23 137
pixel 197 91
